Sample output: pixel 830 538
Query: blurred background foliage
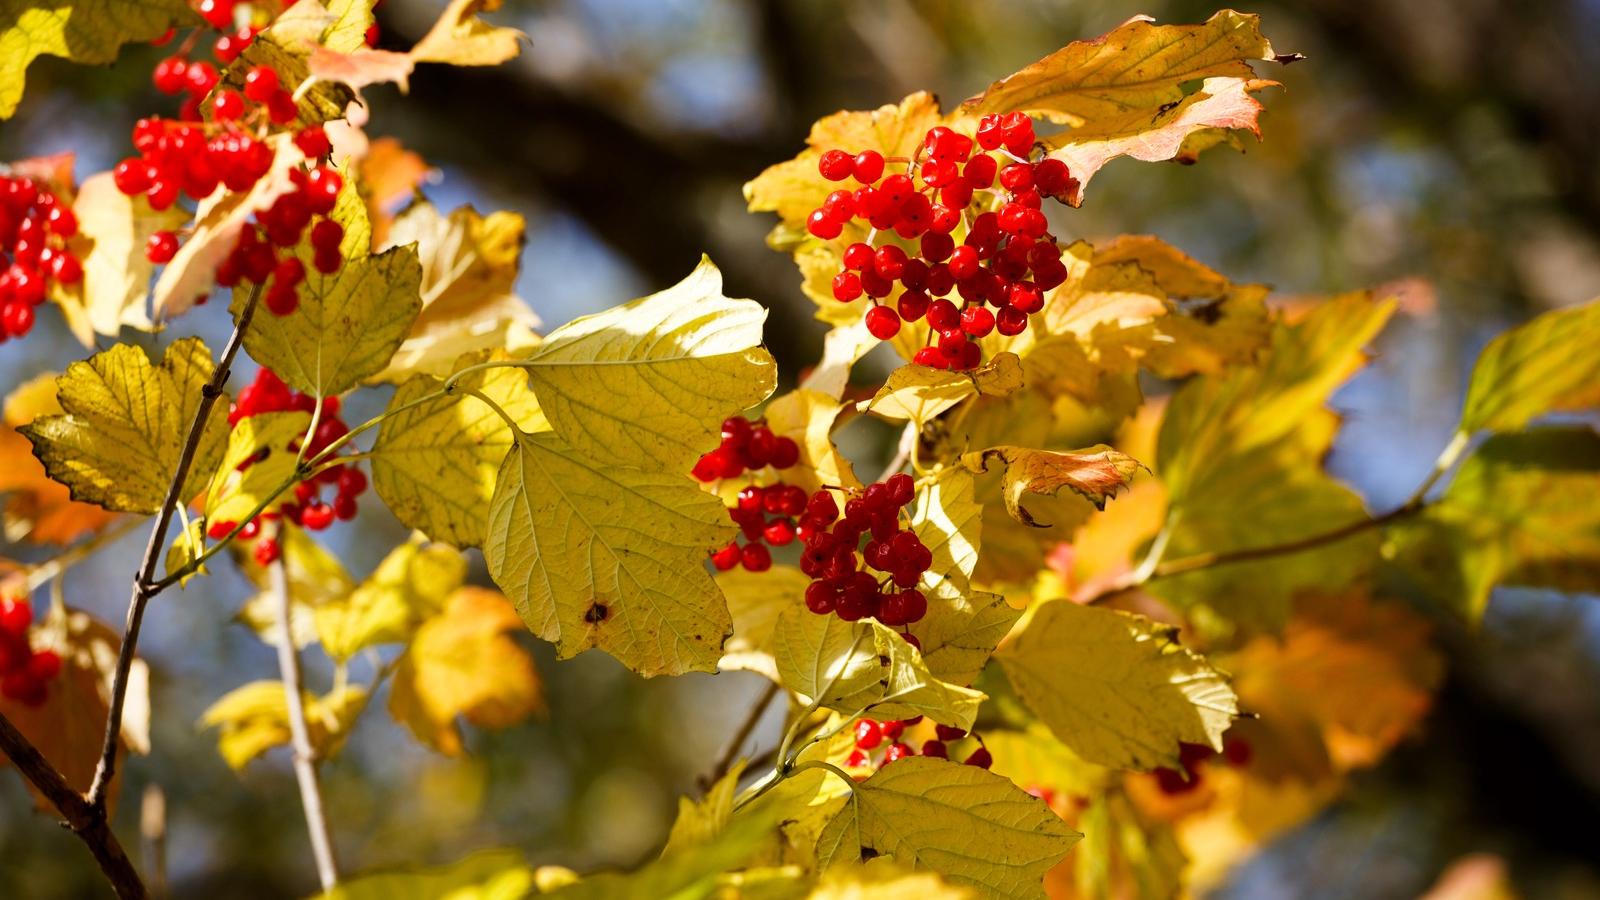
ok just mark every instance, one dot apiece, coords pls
pixel 1449 147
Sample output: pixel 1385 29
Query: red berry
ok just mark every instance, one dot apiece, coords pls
pixel 936 749
pixel 322 189
pixel 316 515
pixel 16 614
pixel 267 551
pixel 785 453
pixel 281 108
pixel 17 318
pixel 821 225
pixel 726 557
pixel 755 558
pixel 170 75
pixel 45 665
pixel 313 142
pixel 282 299
pixel 1011 321
pixel 980 758
pixel 846 287
pixel 227 106
pixel 200 78
pixel 327 260
pixel 66 269
pixel 23 688
pixel 977 321
pixel 869 734
pixel 949 732
pixel 835 165
pixel 868 166
pixel 857 256
pixel 896 751
pixel 883 322
pixel 820 597
pixel 260 83
pixel 161 247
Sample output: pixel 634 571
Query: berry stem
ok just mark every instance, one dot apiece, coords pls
pixel 305 758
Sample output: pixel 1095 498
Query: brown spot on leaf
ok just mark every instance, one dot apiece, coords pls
pixel 596 614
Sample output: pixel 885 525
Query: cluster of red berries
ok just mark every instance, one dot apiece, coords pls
pixel 764 513
pixel 268 394
pixel 239 23
pixel 870 734
pixel 34 227
pixel 1007 261
pixel 1236 752
pixel 840 585
pixel 25 673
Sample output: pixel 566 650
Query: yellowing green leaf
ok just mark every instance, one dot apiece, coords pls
pixel 971 826
pixel 1125 855
pixel 460 38
pixel 348 30
pixel 807 417
pixel 348 324
pixel 87 31
pixel 669 368
pixel 688 873
pixel 436 456
pixel 409 586
pixel 464 662
pixel 699 822
pixel 485 875
pixel 1096 474
pixel 1551 364
pixel 469 267
pixel 608 557
pixel 116 273
pixel 186 546
pixel 218 220
pixel 755 601
pixel 125 424
pixel 1115 688
pixel 881 879
pixel 287 44
pixel 254 718
pixel 842 347
pixel 1520 511
pixel 260 459
pixel 920 393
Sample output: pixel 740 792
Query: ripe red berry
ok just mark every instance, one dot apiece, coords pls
pixel 949 732
pixel 316 515
pixel 823 226
pixel 161 247
pixel 170 75
pixel 23 688
pixel 16 614
pixel 868 166
pixel 896 751
pixel 227 106
pixel 313 142
pixel 846 287
pixel 260 83
pixel 883 322
pixel 936 749
pixel 869 734
pixel 726 557
pixel 281 107
pixel 980 758
pixel 835 165
pixel 45 665
pixel 755 557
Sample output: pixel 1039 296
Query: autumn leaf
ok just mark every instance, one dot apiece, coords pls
pixel 1095 473
pixel 90 32
pixel 469 269
pixel 38 508
pixel 125 424
pixel 360 68
pixel 409 586
pixel 260 459
pixel 286 46
pixel 315 576
pixel 1117 689
pixel 842 347
pixel 254 718
pixel 671 365
pixel 1547 365
pixel 755 601
pixel 484 875
pixel 391 175
pixel 464 663
pixel 436 456
pixel 69 726
pixel 460 38
pixel 808 417
pixel 969 825
pixel 1142 90
pixel 116 272
pixel 882 879
pixel 919 393
pixel 606 556
pixel 348 324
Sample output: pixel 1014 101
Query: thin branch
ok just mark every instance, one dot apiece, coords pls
pixel 85 821
pixel 731 751
pixel 305 755
pixel 144 583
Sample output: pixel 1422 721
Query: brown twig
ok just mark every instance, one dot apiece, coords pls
pixel 730 751
pixel 85 821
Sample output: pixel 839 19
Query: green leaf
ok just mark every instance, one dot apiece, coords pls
pixel 919 393
pixel 86 31
pixel 648 383
pixel 348 324
pixel 1095 473
pixel 409 586
pixel 1551 364
pixel 610 557
pixel 969 825
pixel 1521 511
pixel 125 425
pixel 1115 688
pixel 436 456
pixel 881 879
pixel 485 875
pixel 853 667
pixel 260 459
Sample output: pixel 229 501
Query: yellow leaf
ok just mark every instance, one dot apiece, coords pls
pixel 218 220
pixel 186 547
pixel 409 586
pixel 609 557
pixel 1124 855
pixel 699 822
pixel 254 718
pixel 842 347
pixel 38 508
pixel 348 30
pixel 971 826
pixel 464 662
pixel 690 872
pixel 808 417
pixel 1095 473
pixel 435 458
pixel 286 45
pixel 348 324
pixel 260 459
pixel 485 875
pixel 87 31
pixel 469 268
pixel 881 879
pixel 671 367
pixel 316 577
pixel 460 38
pixel 116 273
pixel 1117 689
pixel 68 727
pixel 920 393
pixel 1551 364
pixel 126 421
pixel 755 601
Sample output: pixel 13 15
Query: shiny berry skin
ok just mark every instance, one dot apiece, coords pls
pixel 935 749
pixel 267 551
pixel 883 323
pixel 227 106
pixel 755 557
pixel 980 758
pixel 16 615
pixel 260 83
pixel 896 751
pixel 869 734
pixel 726 558
pixel 313 142
pixel 170 75
pixel 846 287
pixel 316 516
pixel 868 166
pixel 836 165
pixel 161 247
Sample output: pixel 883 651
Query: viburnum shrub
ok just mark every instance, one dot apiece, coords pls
pixel 1038 618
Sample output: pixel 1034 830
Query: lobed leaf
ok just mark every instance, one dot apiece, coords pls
pixel 1547 365
pixel 410 585
pixel 254 718
pixel 84 31
pixel 920 393
pixel 460 38
pixel 260 458
pixel 1096 474
pixel 116 272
